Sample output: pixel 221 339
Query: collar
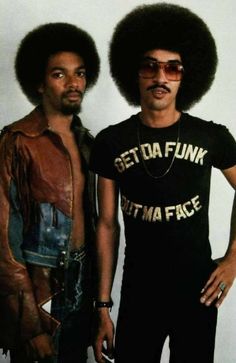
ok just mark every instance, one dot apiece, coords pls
pixel 35 124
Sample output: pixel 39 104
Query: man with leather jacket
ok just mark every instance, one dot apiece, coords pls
pixel 48 212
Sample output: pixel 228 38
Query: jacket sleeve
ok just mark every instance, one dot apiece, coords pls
pixel 19 316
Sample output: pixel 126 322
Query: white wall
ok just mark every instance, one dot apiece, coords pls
pixel 103 105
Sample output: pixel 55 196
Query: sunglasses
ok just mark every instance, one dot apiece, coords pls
pixel 172 70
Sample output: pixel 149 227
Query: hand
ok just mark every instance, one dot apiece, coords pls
pixel 104 332
pixel 220 281
pixel 41 347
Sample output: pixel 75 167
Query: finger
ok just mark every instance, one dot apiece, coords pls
pixel 224 291
pixel 107 359
pixel 99 359
pixel 107 354
pixel 210 281
pixel 98 347
pixel 45 351
pixel 110 348
pixel 53 350
pixel 221 298
pixel 211 299
pixel 213 293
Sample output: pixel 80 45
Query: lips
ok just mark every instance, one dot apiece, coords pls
pixel 159 92
pixel 73 95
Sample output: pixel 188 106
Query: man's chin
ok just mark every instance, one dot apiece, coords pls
pixel 70 109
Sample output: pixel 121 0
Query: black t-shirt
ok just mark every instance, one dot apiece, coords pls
pixel 166 216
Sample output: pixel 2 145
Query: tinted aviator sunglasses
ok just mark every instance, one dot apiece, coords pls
pixel 149 68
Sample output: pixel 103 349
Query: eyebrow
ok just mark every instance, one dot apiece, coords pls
pixel 168 61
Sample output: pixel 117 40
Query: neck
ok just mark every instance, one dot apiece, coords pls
pixel 158 119
pixel 59 122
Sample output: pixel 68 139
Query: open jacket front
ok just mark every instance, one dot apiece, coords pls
pixel 36 196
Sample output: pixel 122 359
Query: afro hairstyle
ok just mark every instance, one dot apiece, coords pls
pixel 48 39
pixel 169 27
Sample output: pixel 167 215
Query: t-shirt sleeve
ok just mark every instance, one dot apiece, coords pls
pixel 224 148
pixel 101 160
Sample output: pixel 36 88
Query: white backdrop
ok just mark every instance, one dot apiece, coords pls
pixel 104 105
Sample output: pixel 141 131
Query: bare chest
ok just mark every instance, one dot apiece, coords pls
pixel 76 162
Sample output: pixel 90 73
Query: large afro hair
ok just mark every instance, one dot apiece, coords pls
pixel 169 27
pixel 48 39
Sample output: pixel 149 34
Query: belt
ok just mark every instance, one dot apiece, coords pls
pixel 74 255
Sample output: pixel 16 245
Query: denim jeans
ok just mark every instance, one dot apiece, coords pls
pixel 73 307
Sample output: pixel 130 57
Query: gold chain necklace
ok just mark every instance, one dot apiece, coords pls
pixel 148 172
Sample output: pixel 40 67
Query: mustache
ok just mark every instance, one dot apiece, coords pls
pixel 80 93
pixel 154 86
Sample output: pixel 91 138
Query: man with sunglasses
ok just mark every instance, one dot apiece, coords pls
pixel 163 58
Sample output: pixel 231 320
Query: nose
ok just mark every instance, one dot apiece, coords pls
pixel 72 80
pixel 160 75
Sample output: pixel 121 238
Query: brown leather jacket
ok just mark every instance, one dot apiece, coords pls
pixel 35 191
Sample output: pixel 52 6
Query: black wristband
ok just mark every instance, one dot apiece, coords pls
pixel 103 304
